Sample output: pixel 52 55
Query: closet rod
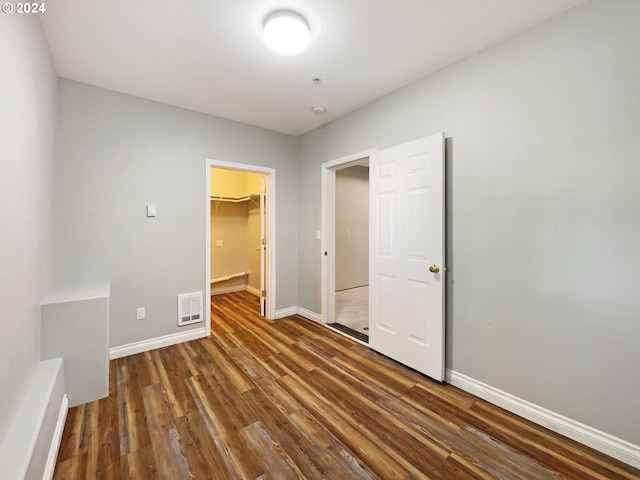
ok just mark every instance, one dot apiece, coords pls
pixel 229 199
pixel 229 277
pixel 234 200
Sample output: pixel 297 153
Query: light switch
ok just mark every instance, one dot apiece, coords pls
pixel 219 243
pixel 151 210
pixel 318 235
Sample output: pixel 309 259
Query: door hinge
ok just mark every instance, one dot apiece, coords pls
pixel 264 293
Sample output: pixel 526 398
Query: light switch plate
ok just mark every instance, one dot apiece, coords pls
pixel 151 210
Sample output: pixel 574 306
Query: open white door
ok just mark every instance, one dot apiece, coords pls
pixel 406 254
pixel 263 248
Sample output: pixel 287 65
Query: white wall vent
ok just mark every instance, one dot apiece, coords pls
pixel 189 308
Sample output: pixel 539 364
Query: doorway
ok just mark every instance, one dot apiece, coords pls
pixel 406 251
pixel 352 250
pixel 345 295
pixel 237 232
pixel 240 232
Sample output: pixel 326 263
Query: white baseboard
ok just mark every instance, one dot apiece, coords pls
pixel 303 312
pixel 286 312
pixel 228 289
pixel 158 342
pixel 596 439
pixel 50 466
pixel 255 291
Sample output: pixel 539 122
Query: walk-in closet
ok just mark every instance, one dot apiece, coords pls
pixel 237 232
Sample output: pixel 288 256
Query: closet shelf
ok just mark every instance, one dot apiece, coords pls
pixel 229 277
pixel 246 198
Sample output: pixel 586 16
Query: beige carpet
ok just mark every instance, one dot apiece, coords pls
pixel 352 309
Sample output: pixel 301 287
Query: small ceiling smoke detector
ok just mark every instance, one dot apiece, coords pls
pixel 286 33
pixel 319 109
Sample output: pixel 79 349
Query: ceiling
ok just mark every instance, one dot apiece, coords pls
pixel 208 56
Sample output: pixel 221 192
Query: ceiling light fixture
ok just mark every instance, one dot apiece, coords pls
pixel 319 109
pixel 286 33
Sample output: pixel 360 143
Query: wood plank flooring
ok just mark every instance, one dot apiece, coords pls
pixel 291 399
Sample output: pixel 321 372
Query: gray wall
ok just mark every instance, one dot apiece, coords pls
pixel 543 209
pixel 27 116
pixel 117 153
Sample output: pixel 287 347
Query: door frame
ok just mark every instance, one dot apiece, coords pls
pixel 328 232
pixel 270 251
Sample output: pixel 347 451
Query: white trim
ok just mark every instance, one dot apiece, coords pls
pixel 353 158
pixel 328 266
pixel 158 342
pixel 596 439
pixel 255 291
pixel 50 466
pixel 271 231
pixel 303 312
pixel 228 289
pixel 286 312
pixel 235 288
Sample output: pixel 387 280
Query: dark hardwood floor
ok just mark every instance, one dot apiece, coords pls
pixel 293 399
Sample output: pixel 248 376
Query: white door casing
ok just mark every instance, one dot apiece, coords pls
pixel 406 299
pixel 270 232
pixel 263 247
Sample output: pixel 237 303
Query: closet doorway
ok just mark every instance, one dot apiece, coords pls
pixel 345 301
pixel 240 229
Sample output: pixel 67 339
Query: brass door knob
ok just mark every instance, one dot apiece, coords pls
pixel 434 268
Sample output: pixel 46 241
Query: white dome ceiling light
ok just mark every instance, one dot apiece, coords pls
pixel 286 33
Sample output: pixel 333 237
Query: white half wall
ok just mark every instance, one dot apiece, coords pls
pixel 32 442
